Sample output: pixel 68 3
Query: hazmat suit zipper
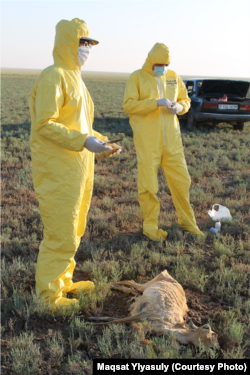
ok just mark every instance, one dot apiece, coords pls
pixel 163 113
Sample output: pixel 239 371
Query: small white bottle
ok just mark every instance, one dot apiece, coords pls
pixel 218 226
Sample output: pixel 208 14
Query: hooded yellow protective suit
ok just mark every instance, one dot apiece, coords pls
pixel 61 119
pixel 157 140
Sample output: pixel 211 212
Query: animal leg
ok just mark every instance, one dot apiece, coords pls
pixel 103 318
pixel 129 319
pixel 124 289
pixel 141 287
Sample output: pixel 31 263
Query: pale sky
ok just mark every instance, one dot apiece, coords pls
pixel 205 38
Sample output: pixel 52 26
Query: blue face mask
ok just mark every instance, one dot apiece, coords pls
pixel 160 71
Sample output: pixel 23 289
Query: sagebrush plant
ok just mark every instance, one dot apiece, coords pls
pixel 55 346
pixel 76 365
pixel 79 333
pixel 24 354
pixel 135 342
pixel 113 247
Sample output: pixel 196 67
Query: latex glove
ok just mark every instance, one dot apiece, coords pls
pixel 164 102
pixel 94 144
pixel 176 108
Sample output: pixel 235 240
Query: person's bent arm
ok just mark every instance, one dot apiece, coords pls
pixel 49 100
pixel 132 105
pixel 183 98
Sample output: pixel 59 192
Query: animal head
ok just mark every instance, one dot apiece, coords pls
pixel 205 334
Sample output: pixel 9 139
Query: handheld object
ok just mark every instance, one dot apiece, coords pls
pixel 105 154
pixel 114 141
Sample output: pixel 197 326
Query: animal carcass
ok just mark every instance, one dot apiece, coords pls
pixel 163 303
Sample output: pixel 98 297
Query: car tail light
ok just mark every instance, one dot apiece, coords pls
pixel 245 107
pixel 210 106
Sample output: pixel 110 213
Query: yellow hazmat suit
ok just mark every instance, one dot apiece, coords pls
pixel 61 119
pixel 157 140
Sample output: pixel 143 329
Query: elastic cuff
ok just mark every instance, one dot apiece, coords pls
pixel 85 141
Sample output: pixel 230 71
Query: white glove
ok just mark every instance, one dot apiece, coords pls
pixel 176 108
pixel 164 102
pixel 94 144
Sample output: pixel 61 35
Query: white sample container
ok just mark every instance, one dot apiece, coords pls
pixel 218 226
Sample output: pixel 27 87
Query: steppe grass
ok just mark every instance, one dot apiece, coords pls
pixel 114 248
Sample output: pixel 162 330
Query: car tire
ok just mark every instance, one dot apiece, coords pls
pixel 191 123
pixel 239 126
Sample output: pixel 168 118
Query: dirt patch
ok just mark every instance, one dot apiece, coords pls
pixel 117 305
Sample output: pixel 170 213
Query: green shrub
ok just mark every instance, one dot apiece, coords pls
pixel 24 355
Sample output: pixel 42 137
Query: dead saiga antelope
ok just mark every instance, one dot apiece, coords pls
pixel 163 303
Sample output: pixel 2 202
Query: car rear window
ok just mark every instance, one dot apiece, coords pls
pixel 199 84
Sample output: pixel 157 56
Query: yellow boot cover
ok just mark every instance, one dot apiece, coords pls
pixel 156 234
pixel 65 303
pixel 81 286
pixel 158 142
pixel 62 114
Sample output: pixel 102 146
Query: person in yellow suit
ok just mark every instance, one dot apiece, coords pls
pixel 63 144
pixel 153 96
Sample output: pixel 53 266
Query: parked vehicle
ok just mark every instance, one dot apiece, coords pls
pixel 218 100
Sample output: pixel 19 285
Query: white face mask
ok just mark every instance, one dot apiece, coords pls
pixel 83 55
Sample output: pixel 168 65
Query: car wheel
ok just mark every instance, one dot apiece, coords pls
pixel 191 120
pixel 239 126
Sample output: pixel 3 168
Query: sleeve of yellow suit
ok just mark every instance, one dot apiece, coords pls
pixel 49 100
pixel 132 105
pixel 183 98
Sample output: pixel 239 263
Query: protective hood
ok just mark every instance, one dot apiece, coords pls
pixel 67 37
pixel 159 54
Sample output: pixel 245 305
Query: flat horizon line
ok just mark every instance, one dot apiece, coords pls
pixel 125 73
